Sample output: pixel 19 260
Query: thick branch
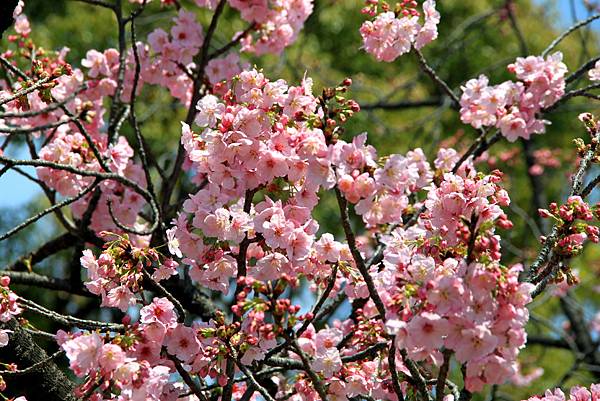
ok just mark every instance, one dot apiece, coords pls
pixel 50 383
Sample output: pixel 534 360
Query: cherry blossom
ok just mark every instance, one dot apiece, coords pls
pixel 513 107
pixel 389 35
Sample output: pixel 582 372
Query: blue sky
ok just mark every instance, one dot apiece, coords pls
pixel 565 9
pixel 16 190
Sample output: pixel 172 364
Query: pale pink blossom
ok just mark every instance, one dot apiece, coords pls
pixel 83 352
pixel 182 343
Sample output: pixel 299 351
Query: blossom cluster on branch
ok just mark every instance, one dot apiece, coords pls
pixel 396 29
pixel 513 107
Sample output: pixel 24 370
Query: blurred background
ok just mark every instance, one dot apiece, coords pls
pixel 402 110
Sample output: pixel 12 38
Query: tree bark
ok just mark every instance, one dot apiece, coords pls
pixel 46 382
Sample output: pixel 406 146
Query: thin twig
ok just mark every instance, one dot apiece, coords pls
pixel 566 33
pixel 32 368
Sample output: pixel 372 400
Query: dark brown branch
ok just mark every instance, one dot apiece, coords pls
pixel 581 334
pixel 51 247
pixel 40 281
pixel 394 370
pixel 427 69
pixel 566 33
pixel 358 259
pixel 68 321
pixel 433 102
pixel 582 70
pixel 188 379
pixel 33 368
pixel 232 43
pixel 547 342
pixel 442 376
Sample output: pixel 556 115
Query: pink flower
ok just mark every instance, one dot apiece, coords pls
pixel 299 245
pixel 158 39
pixel 389 36
pixel 217 224
pixel 513 127
pixel 210 4
pixel 173 242
pixel 111 357
pixel 160 310
pixel 209 111
pixel 8 301
pixel 186 33
pixel 22 25
pixel 328 362
pixel 328 338
pixel 447 294
pixel 97 64
pixel 270 267
pixel 225 68
pixel 182 343
pixel 594 73
pixel 119 297
pixel 475 343
pixel 277 231
pixel 167 269
pixel 4 337
pixel 216 274
pixel 83 352
pixel 327 248
pixel 426 330
pixel 272 164
pixel 18 9
pixel 280 22
pixel 512 107
pixel 595 390
pixel 578 393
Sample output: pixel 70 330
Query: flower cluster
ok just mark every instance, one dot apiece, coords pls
pixel 137 362
pixel 110 368
pixel 223 68
pixel 21 26
pixel 512 107
pixel 73 149
pixel 393 33
pixel 80 145
pixel 8 301
pixel 45 74
pixel 380 188
pixel 441 280
pixel 347 378
pixel 444 284
pixel 118 273
pixel 576 394
pixel 277 23
pixel 167 65
pixel 264 136
pixel 572 221
pixel 173 54
pixel 56 81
